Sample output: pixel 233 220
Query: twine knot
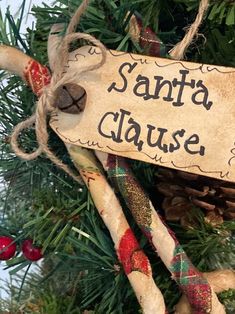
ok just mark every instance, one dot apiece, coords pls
pixel 48 97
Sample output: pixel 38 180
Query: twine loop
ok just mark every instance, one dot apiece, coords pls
pixel 179 49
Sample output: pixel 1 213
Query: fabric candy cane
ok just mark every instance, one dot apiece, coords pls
pixel 133 259
pixel 135 263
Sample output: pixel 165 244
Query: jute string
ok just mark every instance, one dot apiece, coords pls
pixel 179 49
pixel 46 103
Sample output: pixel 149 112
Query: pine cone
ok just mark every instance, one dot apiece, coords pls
pixel 183 191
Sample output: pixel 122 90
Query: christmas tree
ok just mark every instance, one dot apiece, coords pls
pixel 48 216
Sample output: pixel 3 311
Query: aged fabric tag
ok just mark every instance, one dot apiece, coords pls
pixel 176 114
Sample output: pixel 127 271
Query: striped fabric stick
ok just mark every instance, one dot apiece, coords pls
pixel 200 295
pixel 135 263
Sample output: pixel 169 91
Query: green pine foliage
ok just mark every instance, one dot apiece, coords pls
pixel 81 270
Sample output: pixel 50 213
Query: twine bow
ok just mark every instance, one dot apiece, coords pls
pixel 46 104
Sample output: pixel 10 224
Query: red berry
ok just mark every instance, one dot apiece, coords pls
pixel 7 248
pixel 32 253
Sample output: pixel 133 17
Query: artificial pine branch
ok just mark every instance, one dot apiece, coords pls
pixel 209 247
pixel 42 202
